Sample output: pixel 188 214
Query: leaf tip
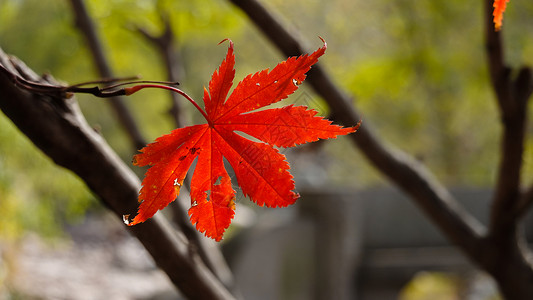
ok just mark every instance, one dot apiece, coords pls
pixel 229 40
pixel 356 127
pixel 135 160
pixel 126 219
pixel 211 220
pixel 136 220
pixel 323 41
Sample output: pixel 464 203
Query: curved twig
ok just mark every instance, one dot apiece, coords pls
pixel 64 91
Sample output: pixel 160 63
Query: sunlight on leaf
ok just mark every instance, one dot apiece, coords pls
pixel 261 170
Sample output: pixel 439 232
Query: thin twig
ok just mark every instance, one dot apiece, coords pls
pixel 134 89
pixel 62 90
pixel 164 43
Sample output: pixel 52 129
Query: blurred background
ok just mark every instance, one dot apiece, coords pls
pixel 417 73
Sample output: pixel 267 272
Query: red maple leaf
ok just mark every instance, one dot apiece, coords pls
pixel 261 171
pixel 499 9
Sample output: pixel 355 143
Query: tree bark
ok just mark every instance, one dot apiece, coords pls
pixel 507 257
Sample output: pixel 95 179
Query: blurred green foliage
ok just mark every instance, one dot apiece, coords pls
pixel 35 194
pixel 416 70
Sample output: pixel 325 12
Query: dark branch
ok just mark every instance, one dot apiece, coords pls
pixel 457 224
pixel 524 203
pixel 512 96
pixel 164 43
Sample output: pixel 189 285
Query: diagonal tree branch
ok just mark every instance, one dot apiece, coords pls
pixel 87 28
pixel 452 219
pixel 57 127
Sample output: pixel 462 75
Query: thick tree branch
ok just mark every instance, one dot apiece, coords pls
pixel 87 28
pixel 456 223
pixel 57 127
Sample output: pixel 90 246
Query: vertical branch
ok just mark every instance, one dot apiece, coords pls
pixel 87 28
pixel 164 43
pixel 499 73
pixel 512 96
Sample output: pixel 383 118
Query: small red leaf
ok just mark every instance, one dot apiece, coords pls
pixel 261 171
pixel 499 9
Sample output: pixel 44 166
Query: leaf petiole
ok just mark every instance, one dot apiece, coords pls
pixel 136 88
